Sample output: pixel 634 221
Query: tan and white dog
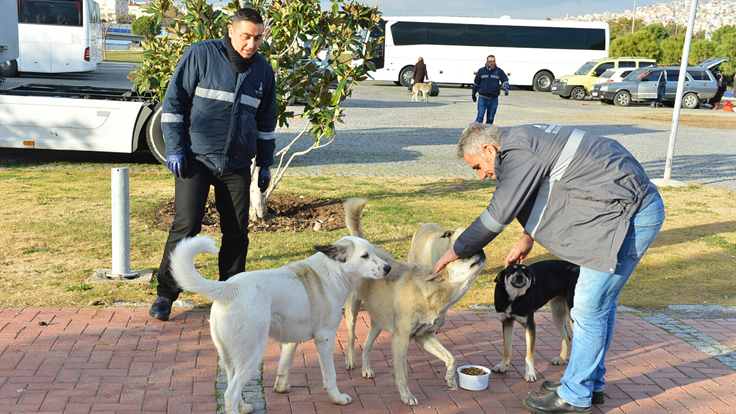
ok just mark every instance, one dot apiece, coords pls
pixel 291 304
pixel 422 88
pixel 410 303
pixel 430 242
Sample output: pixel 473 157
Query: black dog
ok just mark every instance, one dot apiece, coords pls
pixel 520 291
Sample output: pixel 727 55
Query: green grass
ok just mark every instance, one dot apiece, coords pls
pixel 55 231
pixel 132 56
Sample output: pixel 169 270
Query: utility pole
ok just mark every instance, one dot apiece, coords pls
pixel 633 17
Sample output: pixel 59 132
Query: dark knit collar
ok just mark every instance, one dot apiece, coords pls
pixel 240 64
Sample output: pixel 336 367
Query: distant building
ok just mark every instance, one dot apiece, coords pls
pixel 110 9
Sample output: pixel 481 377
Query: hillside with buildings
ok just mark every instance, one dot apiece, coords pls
pixel 710 15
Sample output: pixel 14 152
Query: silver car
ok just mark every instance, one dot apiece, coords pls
pixel 641 85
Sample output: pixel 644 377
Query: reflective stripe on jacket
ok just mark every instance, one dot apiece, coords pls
pixel 573 192
pixel 216 115
pixel 488 82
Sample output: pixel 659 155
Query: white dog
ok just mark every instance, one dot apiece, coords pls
pixel 290 304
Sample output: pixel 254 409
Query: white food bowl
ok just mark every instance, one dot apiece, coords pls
pixel 473 382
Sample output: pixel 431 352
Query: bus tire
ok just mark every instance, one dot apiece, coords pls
pixel 406 75
pixel 155 136
pixel 543 81
pixel 8 68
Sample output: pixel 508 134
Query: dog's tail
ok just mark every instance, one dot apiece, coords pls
pixel 353 210
pixel 187 276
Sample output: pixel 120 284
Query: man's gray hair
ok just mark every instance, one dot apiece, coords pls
pixel 475 136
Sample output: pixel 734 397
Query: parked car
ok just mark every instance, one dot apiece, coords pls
pixel 578 86
pixel 641 85
pixel 314 71
pixel 614 75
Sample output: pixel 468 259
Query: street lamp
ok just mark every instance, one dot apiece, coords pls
pixel 494 11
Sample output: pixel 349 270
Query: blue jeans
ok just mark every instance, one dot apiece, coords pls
pixel 594 311
pixel 660 92
pixel 486 106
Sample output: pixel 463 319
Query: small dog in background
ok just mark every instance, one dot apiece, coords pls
pixel 520 291
pixel 422 88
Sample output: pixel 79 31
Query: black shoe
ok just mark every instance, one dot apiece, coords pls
pixel 552 404
pixel 551 387
pixel 161 308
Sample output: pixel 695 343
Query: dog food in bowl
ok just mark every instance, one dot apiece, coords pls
pixel 473 377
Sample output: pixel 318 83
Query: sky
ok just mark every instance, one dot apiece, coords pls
pixel 525 9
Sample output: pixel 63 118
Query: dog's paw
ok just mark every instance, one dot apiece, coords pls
pixel 349 362
pixel 282 388
pixel 559 361
pixel 499 368
pixel 530 377
pixel 342 399
pixel 245 409
pixel 409 399
pixel 451 382
pixel 368 373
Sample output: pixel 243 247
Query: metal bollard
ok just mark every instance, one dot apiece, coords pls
pixel 120 224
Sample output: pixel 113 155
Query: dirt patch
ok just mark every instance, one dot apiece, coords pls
pixel 698 119
pixel 285 213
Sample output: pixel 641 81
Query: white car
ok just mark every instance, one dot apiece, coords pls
pixel 614 75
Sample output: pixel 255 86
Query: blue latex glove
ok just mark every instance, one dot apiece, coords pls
pixel 475 98
pixel 506 89
pixel 177 164
pixel 264 179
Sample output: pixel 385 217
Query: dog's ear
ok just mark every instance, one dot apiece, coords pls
pixel 333 251
pixel 500 276
pixel 447 234
pixel 436 278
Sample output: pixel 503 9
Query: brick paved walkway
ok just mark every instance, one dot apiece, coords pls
pixel 122 361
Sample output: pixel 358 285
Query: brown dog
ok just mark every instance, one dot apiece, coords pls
pixel 411 303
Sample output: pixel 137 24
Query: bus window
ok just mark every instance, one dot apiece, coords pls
pixel 525 36
pixel 565 38
pixel 445 34
pixel 595 39
pixel 409 33
pixel 480 35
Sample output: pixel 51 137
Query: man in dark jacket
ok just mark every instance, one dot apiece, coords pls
pixel 487 84
pixel 219 112
pixel 587 200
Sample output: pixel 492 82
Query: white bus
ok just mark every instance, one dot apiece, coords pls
pixel 57 36
pixel 531 52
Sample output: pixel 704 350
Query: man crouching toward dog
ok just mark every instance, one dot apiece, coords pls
pixel 587 200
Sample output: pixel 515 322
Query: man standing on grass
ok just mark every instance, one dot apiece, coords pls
pixel 218 113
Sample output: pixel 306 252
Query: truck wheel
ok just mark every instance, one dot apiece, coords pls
pixel 690 101
pixel 622 98
pixel 8 68
pixel 406 75
pixel 155 136
pixel 578 93
pixel 542 81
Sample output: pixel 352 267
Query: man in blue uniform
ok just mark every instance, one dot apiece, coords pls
pixel 219 112
pixel 488 82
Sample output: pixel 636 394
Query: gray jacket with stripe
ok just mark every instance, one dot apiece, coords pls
pixel 218 116
pixel 574 193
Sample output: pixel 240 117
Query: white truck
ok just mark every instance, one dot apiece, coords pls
pixel 73 118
